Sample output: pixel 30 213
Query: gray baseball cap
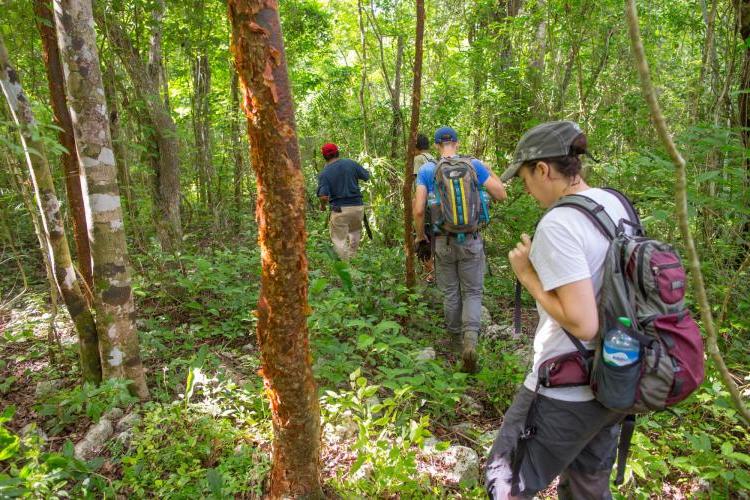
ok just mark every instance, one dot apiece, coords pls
pixel 547 140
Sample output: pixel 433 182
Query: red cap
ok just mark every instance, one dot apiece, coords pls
pixel 329 149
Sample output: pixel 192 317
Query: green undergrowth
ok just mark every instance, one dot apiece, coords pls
pixel 207 431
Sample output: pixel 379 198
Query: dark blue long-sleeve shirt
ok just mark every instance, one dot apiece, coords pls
pixel 339 181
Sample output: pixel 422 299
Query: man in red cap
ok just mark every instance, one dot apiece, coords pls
pixel 338 186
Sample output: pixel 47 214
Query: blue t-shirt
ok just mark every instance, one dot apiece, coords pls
pixel 426 175
pixel 339 181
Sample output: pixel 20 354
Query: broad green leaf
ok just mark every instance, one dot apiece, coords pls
pixel 386 325
pixel 364 341
pixel 9 444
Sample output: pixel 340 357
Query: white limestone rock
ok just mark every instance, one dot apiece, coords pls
pixel 427 354
pixel 113 414
pixel 45 387
pixel 459 467
pixel 128 421
pixel 94 440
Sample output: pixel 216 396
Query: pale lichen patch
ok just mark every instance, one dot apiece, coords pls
pixel 70 277
pixel 106 156
pixel 104 202
pixel 115 357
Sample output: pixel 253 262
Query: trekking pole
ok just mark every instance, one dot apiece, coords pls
pixel 517 309
pixel 366 223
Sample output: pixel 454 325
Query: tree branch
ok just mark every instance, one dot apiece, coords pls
pixel 699 287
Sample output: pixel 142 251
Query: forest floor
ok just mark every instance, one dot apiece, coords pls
pixel 207 431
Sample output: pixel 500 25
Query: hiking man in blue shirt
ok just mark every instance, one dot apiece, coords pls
pixel 338 186
pixel 459 259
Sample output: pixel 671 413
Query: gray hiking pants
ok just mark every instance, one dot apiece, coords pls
pixel 575 440
pixel 459 270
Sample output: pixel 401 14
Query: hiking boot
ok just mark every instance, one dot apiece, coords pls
pixel 469 354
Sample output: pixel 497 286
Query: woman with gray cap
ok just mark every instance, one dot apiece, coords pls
pixel 551 431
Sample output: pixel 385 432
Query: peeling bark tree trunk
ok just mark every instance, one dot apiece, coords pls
pixel 45 24
pixel 258 49
pixel 416 99
pixel 167 216
pixel 52 234
pixel 113 297
pixel 699 287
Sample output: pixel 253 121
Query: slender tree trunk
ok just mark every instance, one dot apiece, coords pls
pixel 743 104
pixel 572 57
pixel 52 233
pixel 363 78
pixel 239 161
pixel 258 48
pixel 699 287
pixel 743 99
pixel 536 67
pixel 584 95
pixel 45 25
pixel 202 129
pixel 416 100
pixel 156 66
pixel 29 202
pixel 167 216
pixel 113 297
pixel 397 135
pixel 123 171
pixel 707 59
pixel 4 217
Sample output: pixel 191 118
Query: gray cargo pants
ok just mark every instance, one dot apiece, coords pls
pixel 459 270
pixel 575 440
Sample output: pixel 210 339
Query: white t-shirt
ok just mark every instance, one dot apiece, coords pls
pixel 567 247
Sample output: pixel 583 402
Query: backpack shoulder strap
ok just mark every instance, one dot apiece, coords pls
pixel 594 211
pixel 635 220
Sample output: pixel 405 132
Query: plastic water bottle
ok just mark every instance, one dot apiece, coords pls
pixel 433 207
pixel 484 215
pixel 620 349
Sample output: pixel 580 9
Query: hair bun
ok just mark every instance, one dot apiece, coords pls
pixel 579 145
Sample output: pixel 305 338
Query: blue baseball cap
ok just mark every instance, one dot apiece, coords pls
pixel 445 134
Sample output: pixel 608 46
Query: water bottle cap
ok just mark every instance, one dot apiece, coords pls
pixel 625 321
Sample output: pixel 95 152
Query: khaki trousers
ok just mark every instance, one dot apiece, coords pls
pixel 346 230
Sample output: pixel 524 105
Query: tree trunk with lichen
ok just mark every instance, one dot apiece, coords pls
pixel 113 297
pixel 258 48
pixel 53 226
pixel 167 218
pixel 46 26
